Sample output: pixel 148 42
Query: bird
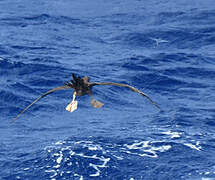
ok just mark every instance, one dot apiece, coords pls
pixel 83 86
pixel 159 40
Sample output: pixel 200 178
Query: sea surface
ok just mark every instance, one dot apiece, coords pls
pixel 164 48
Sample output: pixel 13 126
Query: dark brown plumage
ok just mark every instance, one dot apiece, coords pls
pixel 83 86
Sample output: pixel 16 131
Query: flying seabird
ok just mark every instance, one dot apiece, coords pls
pixel 83 86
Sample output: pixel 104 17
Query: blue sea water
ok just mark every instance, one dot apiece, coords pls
pixel 164 48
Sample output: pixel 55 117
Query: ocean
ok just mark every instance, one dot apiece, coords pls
pixel 164 48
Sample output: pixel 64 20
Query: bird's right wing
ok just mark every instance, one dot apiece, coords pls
pixel 38 99
pixel 128 86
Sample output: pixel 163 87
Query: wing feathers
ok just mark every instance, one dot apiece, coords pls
pixel 128 86
pixel 38 99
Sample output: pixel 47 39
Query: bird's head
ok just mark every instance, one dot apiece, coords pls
pixel 86 79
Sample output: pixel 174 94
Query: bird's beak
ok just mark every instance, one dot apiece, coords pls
pixel 96 103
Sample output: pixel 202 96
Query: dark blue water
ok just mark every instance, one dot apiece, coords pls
pixel 165 48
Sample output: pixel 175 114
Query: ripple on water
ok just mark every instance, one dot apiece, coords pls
pixel 89 158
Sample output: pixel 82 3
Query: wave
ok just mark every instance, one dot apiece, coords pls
pixel 81 158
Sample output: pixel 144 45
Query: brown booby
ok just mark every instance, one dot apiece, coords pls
pixel 83 86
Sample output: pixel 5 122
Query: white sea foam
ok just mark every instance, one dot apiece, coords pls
pixel 173 134
pixel 77 175
pixel 59 142
pixel 72 153
pixel 52 171
pixel 145 149
pixel 69 164
pixel 84 142
pixel 194 146
pixel 96 167
pixel 93 156
pixel 60 158
pixel 25 169
pixel 57 166
pixel 56 154
pixel 143 144
pixel 93 147
pixel 162 148
pixel 118 157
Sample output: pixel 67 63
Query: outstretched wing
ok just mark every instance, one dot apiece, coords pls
pixel 128 86
pixel 47 93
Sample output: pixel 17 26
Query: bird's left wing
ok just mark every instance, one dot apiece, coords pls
pixel 128 86
pixel 47 93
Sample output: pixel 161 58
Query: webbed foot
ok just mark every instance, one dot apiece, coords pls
pixel 97 104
